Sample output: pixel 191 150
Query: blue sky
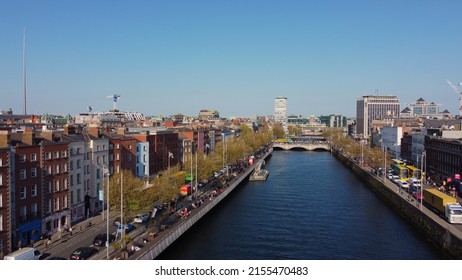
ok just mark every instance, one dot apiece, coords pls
pixel 165 57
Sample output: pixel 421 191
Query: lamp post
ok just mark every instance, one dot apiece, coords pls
pixel 424 156
pixel 106 173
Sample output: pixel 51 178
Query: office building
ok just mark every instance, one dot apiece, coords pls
pixel 369 108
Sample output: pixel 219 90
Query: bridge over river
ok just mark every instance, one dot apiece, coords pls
pixel 303 143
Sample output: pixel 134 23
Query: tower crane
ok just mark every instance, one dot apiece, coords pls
pixel 114 97
pixel 458 91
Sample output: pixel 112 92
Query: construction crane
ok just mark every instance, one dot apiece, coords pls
pixel 459 92
pixel 114 97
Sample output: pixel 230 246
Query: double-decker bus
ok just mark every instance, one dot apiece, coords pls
pixel 414 172
pixel 401 170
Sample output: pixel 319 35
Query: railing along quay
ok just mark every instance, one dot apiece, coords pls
pixel 166 238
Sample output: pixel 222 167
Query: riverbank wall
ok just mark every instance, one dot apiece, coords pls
pixel 436 230
pixel 183 226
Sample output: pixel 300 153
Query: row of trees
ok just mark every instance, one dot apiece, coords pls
pixel 134 195
pixel 372 156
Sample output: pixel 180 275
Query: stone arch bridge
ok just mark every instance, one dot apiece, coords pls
pixel 308 145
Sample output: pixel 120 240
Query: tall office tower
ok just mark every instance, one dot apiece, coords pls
pixel 370 107
pixel 280 111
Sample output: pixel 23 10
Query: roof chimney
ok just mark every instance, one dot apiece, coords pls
pixel 5 138
pixel 28 136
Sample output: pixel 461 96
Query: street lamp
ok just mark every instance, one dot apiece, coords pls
pixel 424 156
pixel 106 173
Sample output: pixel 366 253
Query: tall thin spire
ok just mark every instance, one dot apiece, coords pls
pixel 24 70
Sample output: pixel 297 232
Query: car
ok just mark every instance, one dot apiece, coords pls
pixel 128 228
pixel 390 176
pixel 395 179
pixel 403 184
pixel 100 239
pixel 141 218
pixel 83 253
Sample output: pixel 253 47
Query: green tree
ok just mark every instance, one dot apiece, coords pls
pixel 278 131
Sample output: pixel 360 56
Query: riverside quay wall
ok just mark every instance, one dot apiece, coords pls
pixel 442 234
pixel 183 226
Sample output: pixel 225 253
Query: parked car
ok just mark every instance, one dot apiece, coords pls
pixel 100 239
pixel 390 176
pixel 128 228
pixel 403 184
pixel 396 179
pixel 83 253
pixel 141 218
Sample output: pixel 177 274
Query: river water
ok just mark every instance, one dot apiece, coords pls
pixel 310 208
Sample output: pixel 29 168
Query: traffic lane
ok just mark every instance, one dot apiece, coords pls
pixel 67 245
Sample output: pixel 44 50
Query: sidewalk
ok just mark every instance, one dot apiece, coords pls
pixel 77 229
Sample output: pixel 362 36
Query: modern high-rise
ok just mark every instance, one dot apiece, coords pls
pixel 280 111
pixel 370 107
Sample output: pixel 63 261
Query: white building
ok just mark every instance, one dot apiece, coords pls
pixel 280 111
pixel 391 139
pixel 142 159
pixel 369 108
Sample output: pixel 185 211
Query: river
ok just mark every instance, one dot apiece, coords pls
pixel 310 208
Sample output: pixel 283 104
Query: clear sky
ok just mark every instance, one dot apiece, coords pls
pixel 166 57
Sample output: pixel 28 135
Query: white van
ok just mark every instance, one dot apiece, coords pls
pixel 27 253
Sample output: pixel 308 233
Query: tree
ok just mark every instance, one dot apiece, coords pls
pixel 278 131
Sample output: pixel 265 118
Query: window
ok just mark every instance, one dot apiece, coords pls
pixel 144 158
pixel 78 179
pixel 1 179
pixel 49 187
pixel 98 148
pixel 104 147
pixel 56 169
pixel 22 158
pixel 64 184
pixel 23 213
pixel 117 146
pixel 72 197
pixel 55 154
pixel 33 210
pixel 71 165
pixel 78 164
pixel 117 156
pixel 49 169
pixel 48 206
pixel 97 160
pixel 64 167
pixel 33 190
pixel 71 179
pixel 1 222
pixel 22 174
pixel 57 186
pixel 47 155
pixel 64 153
pixel 33 172
pixel 78 151
pixel 88 156
pixel 1 200
pixel 72 151
pixel 129 146
pixel 22 193
pixel 56 203
pixel 64 202
pixel 145 148
pixel 78 195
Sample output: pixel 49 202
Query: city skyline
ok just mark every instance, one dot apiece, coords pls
pixel 166 58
